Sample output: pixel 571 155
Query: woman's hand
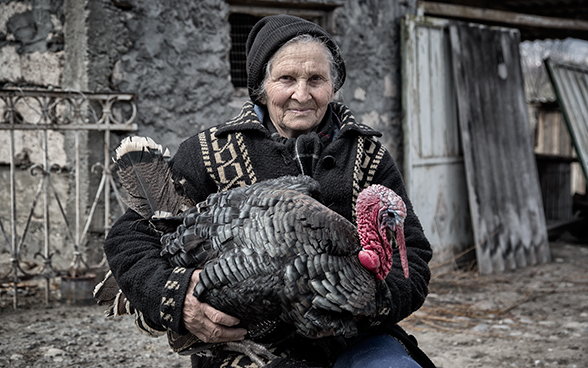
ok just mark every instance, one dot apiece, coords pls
pixel 207 323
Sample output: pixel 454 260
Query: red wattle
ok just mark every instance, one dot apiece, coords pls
pixel 370 260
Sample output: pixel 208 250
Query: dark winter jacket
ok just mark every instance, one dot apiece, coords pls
pixel 241 152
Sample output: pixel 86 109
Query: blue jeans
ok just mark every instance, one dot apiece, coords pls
pixel 381 351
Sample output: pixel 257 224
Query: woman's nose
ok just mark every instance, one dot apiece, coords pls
pixel 301 92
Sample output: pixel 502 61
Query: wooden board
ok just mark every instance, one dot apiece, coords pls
pixel 432 148
pixel 503 189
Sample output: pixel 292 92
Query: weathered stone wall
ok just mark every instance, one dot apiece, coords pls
pixel 174 57
pixel 31 42
pixel 369 35
pixel 31 54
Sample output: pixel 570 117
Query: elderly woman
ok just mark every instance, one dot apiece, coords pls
pixel 291 126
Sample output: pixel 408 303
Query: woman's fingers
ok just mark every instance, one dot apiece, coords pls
pixel 206 322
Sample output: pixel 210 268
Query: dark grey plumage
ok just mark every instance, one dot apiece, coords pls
pixel 271 254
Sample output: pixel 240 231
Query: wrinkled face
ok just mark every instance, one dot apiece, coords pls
pixel 299 88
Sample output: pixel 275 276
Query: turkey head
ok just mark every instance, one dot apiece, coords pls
pixel 380 215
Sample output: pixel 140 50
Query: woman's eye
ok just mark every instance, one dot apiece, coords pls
pixel 317 79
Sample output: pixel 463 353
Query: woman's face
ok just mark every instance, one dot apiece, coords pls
pixel 298 88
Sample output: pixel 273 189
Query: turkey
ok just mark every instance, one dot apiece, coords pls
pixel 271 254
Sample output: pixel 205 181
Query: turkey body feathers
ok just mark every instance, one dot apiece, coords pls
pixel 271 252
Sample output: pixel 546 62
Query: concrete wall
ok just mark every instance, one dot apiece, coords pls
pixel 174 57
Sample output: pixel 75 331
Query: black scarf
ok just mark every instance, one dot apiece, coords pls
pixel 306 149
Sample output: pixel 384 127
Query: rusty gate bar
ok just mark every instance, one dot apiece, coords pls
pixel 77 115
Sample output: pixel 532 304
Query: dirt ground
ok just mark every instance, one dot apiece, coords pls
pixel 534 317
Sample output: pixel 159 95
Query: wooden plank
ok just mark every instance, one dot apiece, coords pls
pixel 422 58
pixel 555 178
pixel 552 137
pixel 511 19
pixel 503 189
pixel 433 166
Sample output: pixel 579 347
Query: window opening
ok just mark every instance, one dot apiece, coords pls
pixel 241 25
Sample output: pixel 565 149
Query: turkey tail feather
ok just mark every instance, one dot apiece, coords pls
pixel 145 173
pixel 106 291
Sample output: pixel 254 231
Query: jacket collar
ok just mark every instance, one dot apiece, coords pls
pixel 248 120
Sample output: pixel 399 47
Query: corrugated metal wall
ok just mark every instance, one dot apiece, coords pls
pixel 503 187
pixel 571 87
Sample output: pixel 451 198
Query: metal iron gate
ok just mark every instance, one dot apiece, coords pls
pixel 78 112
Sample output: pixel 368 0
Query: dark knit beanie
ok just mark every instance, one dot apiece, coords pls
pixel 271 33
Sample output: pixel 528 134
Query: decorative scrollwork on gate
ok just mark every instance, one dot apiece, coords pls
pixel 45 111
